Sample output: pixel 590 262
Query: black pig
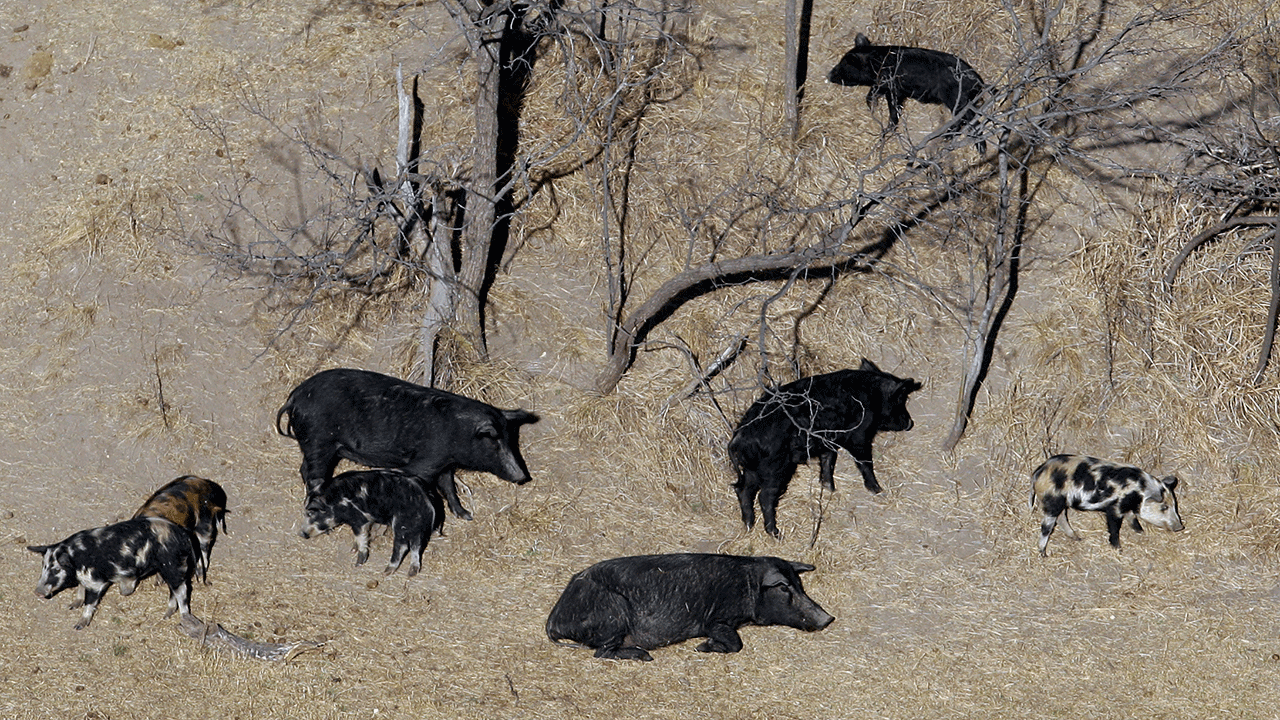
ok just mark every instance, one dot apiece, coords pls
pixel 814 417
pixel 627 606
pixel 382 422
pixel 124 553
pixel 896 73
pixel 386 497
pixel 194 503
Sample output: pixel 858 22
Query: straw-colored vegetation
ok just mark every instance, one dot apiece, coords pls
pixel 129 358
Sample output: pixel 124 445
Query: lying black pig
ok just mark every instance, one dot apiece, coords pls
pixel 387 497
pixel 627 606
pixel 124 553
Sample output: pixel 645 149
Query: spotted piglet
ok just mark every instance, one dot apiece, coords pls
pixel 124 553
pixel 1078 482
pixel 196 504
pixel 361 498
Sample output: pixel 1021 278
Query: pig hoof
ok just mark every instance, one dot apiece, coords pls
pixel 625 653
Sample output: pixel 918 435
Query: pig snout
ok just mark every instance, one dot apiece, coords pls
pixel 816 618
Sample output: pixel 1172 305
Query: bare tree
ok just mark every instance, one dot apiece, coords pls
pixel 1079 89
pixel 1235 165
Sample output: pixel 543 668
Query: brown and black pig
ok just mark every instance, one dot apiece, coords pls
pixel 194 503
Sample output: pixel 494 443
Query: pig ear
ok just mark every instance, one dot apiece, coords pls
pixel 773 578
pixel 867 365
pixel 519 417
pixel 861 41
pixel 801 567
pixel 38 549
pixel 1170 482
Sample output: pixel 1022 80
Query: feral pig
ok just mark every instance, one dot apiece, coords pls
pixel 1078 482
pixel 382 422
pixel 896 73
pixel 627 606
pixel 196 504
pixel 124 553
pixel 386 497
pixel 814 417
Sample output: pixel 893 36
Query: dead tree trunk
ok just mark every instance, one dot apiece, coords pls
pixel 798 15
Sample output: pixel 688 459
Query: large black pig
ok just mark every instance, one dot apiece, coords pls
pixel 124 554
pixel 896 73
pixel 383 422
pixel 388 497
pixel 814 417
pixel 627 606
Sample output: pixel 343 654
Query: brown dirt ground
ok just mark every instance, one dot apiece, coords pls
pixel 126 360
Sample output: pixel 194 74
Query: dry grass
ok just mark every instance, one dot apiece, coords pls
pixel 943 607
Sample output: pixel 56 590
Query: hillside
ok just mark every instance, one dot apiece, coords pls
pixel 142 143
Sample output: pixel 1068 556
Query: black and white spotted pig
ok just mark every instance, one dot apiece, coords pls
pixel 1078 482
pixel 194 503
pixel 124 553
pixel 361 498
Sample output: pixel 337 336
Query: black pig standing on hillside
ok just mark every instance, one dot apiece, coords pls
pixel 627 606
pixel 896 73
pixel 125 553
pixel 383 422
pixel 387 497
pixel 814 417
pixel 194 503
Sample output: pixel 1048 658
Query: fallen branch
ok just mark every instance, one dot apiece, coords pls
pixel 213 635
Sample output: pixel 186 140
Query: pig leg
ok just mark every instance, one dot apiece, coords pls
pixel 747 486
pixel 631 652
pixel 449 490
pixel 399 550
pixel 1054 507
pixel 769 508
pixel 362 542
pixel 415 557
pixel 827 470
pixel 178 578
pixel 1114 520
pixel 1133 522
pixel 127 585
pixel 721 639
pixel 862 456
pixel 93 592
pixel 1066 527
pixel 318 463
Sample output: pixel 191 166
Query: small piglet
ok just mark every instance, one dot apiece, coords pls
pixel 387 497
pixel 896 72
pixel 1078 482
pixel 627 606
pixel 196 504
pixel 124 553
